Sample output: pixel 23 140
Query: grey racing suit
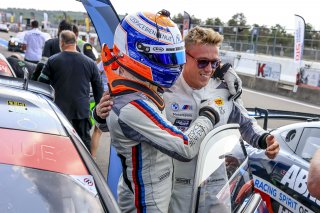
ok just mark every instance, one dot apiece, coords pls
pixel 182 108
pixel 146 143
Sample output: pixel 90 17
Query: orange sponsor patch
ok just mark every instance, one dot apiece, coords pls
pixel 219 101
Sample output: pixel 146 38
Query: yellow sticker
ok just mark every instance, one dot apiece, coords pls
pixel 16 103
pixel 88 47
pixel 219 101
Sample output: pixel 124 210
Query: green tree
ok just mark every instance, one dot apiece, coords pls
pixel 195 21
pixel 238 20
pixel 209 21
pixel 178 18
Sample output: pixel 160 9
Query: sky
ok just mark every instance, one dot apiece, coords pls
pixel 262 12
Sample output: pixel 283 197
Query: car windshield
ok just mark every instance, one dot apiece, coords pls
pixel 33 190
pixel 225 183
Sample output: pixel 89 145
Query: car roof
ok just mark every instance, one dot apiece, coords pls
pixel 25 110
pixel 298 125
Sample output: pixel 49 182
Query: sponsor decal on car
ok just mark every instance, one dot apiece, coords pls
pixel 296 179
pixel 16 103
pixel 86 181
pixel 280 196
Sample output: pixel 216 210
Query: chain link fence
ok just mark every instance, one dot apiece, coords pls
pixel 268 41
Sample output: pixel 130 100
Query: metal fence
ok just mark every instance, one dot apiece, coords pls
pixel 268 43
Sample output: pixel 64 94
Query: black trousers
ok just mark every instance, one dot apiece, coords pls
pixel 82 127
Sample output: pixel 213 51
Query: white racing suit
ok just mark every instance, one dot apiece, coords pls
pixel 146 143
pixel 182 108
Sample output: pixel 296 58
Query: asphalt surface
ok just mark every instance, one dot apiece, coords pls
pixel 250 98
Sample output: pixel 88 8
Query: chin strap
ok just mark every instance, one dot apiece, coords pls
pixel 119 85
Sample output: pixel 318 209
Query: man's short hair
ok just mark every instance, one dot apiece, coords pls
pixel 67 37
pixel 34 24
pixel 64 25
pixel 201 35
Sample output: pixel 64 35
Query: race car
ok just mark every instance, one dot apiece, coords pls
pixel 44 165
pixel 282 182
pixel 16 44
pixel 223 181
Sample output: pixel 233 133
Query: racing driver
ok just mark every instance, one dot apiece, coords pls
pixel 201 81
pixel 148 55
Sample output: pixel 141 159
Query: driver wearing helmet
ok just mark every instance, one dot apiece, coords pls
pixel 147 56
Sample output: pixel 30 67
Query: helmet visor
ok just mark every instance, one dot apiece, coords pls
pixel 164 55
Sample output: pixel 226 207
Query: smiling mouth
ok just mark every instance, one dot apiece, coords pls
pixel 205 75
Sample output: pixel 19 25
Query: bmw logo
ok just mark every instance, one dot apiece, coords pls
pixel 175 106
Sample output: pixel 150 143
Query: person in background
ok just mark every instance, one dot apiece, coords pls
pixel 85 47
pixel 18 65
pixel 314 175
pixel 52 46
pixel 35 41
pixel 72 84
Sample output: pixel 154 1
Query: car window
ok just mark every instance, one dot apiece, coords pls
pixel 291 137
pixel 309 143
pixel 224 182
pixel 32 190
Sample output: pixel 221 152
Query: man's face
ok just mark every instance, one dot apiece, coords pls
pixel 197 77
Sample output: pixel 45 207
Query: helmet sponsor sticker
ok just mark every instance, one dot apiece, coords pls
pixel 168 48
pixel 87 182
pixel 149 30
pixel 280 196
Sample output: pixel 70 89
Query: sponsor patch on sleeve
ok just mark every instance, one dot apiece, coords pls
pixel 182 123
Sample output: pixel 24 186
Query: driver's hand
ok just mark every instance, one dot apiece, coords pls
pixel 104 106
pixel 273 147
